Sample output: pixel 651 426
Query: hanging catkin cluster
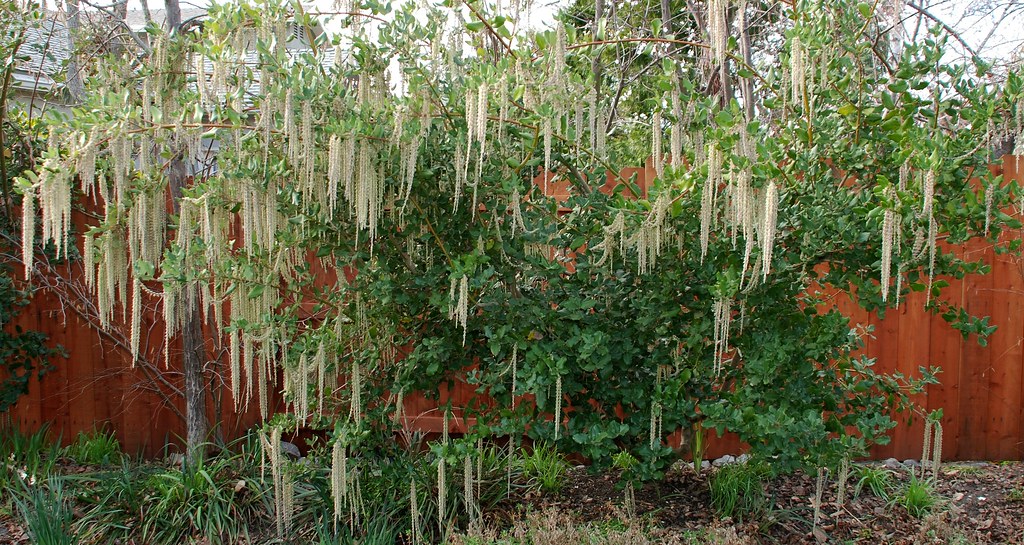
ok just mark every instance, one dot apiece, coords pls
pixel 678 130
pixel 28 231
pixel 656 137
pixel 111 274
pixel 650 238
pixel 819 487
pixel 468 497
pixel 798 71
pixel 718 31
pixel 339 477
pixel 52 194
pixel 458 302
pixel 931 449
pixel 771 211
pixel 751 213
pixel 891 225
pixel 558 406
pixel 927 210
pixel 607 246
pixel 442 475
pixel 722 309
pixel 708 196
pixel 844 474
pixel 414 513
pixel 284 490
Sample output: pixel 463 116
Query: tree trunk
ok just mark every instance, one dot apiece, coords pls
pixel 73 21
pixel 192 343
pixel 172 16
pixel 145 11
pixel 193 346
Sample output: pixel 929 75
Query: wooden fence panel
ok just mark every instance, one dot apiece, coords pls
pixel 980 392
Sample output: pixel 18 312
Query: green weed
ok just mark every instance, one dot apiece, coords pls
pixel 24 458
pixel 544 467
pixel 917 497
pixel 876 479
pixel 98 448
pixel 737 490
pixel 47 513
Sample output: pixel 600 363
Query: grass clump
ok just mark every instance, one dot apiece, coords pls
pixel 98 448
pixel 216 501
pixel 25 459
pixel 737 490
pixel 544 468
pixel 876 479
pixel 47 513
pixel 918 497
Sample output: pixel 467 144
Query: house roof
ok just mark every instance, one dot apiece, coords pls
pixel 46 50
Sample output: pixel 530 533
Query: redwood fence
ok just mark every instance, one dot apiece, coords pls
pixel 980 390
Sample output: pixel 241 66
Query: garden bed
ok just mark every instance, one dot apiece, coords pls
pixel 90 493
pixel 976 502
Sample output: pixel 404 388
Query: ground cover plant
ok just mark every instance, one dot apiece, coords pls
pixel 423 198
pixel 230 499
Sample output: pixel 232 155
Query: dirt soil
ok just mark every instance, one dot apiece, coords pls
pixel 980 502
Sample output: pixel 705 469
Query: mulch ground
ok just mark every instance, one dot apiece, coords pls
pixel 980 503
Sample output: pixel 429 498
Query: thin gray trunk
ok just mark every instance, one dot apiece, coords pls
pixel 173 15
pixel 666 17
pixel 145 11
pixel 74 24
pixel 197 425
pixel 192 343
pixel 193 346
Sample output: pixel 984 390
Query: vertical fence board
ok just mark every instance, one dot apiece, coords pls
pixel 1003 412
pixel 976 367
pixel 913 339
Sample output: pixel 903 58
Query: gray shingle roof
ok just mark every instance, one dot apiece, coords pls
pixel 47 50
